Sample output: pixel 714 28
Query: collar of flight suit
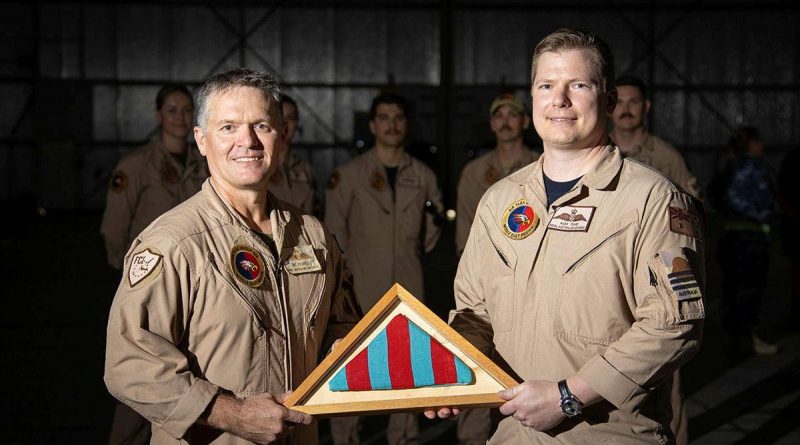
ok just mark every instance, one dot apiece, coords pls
pixel 599 178
pixel 192 156
pixel 647 144
pixel 279 215
pixel 526 158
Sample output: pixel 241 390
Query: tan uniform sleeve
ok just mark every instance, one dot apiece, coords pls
pixel 338 198
pixel 668 311
pixel 471 317
pixel 469 194
pixel 345 309
pixel 433 217
pixel 144 368
pixel 679 172
pixel 121 201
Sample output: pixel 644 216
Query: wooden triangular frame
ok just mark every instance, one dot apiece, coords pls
pixel 314 397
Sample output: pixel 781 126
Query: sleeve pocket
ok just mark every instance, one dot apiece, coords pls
pixel 677 286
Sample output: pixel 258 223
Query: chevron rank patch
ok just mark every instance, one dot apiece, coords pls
pixel 402 356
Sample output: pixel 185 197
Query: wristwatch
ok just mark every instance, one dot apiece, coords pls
pixel 570 405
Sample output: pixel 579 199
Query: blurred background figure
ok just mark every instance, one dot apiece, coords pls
pixel 146 183
pixel 631 135
pixel 744 193
pixel 294 180
pixel 154 177
pixel 382 206
pixel 508 120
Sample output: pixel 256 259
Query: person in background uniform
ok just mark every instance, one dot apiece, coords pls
pixel 748 206
pixel 228 300
pixel 293 180
pixel 583 271
pixel 508 120
pixel 155 177
pixel 146 183
pixel 382 206
pixel 633 139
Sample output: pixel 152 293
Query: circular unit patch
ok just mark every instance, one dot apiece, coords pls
pixel 519 220
pixel 248 266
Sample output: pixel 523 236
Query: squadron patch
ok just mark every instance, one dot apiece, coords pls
pixel 491 176
pixel 148 262
pixel 682 281
pixel 519 220
pixel 302 260
pixel 247 265
pixel 119 181
pixel 572 219
pixel 377 182
pixel 169 173
pixel 333 180
pixel 685 222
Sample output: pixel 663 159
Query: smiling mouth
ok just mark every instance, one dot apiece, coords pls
pixel 562 119
pixel 249 159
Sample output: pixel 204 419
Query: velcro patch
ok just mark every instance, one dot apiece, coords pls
pixel 685 222
pixel 147 263
pixel 302 260
pixel 333 181
pixel 682 280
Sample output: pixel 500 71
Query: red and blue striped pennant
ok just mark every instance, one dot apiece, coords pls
pixel 402 356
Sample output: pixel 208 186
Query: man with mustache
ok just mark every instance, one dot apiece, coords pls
pixel 382 206
pixel 633 139
pixel 215 320
pixel 592 314
pixel 508 120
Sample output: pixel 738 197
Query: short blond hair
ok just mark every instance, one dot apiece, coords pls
pixel 565 39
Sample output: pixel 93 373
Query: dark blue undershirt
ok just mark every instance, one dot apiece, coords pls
pixel 556 189
pixel 391 174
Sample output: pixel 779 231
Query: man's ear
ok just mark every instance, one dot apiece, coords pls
pixel 372 127
pixel 611 97
pixel 200 140
pixel 647 105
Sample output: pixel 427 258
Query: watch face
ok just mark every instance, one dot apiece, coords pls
pixel 570 407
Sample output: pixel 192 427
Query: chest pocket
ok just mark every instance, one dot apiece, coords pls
pixel 591 305
pixel 502 280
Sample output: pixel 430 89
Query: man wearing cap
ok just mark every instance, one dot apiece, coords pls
pixel 634 141
pixel 583 272
pixel 508 120
pixel 383 208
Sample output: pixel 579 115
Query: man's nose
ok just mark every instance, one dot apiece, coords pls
pixel 246 137
pixel 561 97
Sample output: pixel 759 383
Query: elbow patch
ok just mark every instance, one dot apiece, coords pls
pixel 676 284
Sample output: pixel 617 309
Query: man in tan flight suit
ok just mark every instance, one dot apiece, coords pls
pixel 583 271
pixel 294 180
pixel 382 207
pixel 155 177
pixel 633 139
pixel 228 300
pixel 508 120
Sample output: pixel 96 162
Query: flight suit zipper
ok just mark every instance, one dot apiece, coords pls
pixel 277 284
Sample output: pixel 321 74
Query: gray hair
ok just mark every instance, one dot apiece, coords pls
pixel 565 39
pixel 239 77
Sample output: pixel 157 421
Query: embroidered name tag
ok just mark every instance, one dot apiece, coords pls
pixel 408 181
pixel 572 219
pixel 144 264
pixel 302 260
